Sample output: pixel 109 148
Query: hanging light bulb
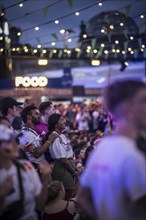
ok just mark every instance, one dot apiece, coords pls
pixel 77 49
pixel 37 28
pixel 142 16
pixel 116 42
pixel 121 24
pixel 39 46
pixel 62 31
pixel 111 27
pixel 131 37
pixel 35 51
pixel 19 34
pixel 102 45
pixel 106 51
pixel 89 47
pixel 69 40
pixel 21 5
pixel 56 22
pixel 44 51
pixel 100 4
pixel 94 51
pixel 54 51
pixel 77 13
pixel 53 43
pixel 123 52
pixel 102 30
pixel 84 35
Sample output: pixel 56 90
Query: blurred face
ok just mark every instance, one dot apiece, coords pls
pixel 82 154
pixel 8 150
pixel 15 111
pixel 35 116
pixel 50 110
pixel 61 123
pixel 138 106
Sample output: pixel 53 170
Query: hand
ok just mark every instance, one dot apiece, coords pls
pixel 52 137
pixel 29 148
pixel 6 187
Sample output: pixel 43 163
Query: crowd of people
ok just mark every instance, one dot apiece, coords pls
pixel 76 162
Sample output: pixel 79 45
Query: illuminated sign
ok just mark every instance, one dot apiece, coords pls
pixel 34 81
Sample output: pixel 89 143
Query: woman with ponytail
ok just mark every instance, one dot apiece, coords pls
pixel 62 153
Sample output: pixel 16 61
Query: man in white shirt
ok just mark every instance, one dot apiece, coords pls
pixel 114 180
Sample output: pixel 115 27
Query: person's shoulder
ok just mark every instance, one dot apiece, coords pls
pixel 71 207
pixel 26 165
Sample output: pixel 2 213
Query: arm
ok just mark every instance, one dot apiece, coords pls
pixel 67 165
pixel 41 150
pixel 85 201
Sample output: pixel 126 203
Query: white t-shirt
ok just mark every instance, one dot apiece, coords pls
pixel 31 186
pixel 115 171
pixel 61 148
pixel 29 135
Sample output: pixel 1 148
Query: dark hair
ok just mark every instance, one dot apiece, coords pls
pixel 121 91
pixel 52 121
pixel 77 152
pixel 27 111
pixel 53 190
pixel 43 106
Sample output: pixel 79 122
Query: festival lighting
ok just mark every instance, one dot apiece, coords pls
pixel 95 62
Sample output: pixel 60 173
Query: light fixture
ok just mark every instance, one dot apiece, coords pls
pixel 54 51
pixel 62 31
pixel 111 27
pixel 100 4
pixel 132 52
pixel 123 52
pixel 14 49
pixel 87 50
pixel 142 16
pixel 95 62
pixel 44 51
pixel 113 50
pixel 77 13
pixel 35 51
pixel 101 80
pixel 129 49
pixel 102 30
pixel 69 52
pixel 17 49
pixel 37 28
pixel 121 24
pixel 142 50
pixel 26 50
pixel 143 46
pixel 118 51
pixel 69 40
pixel 116 42
pixel 89 47
pixel 84 35
pixel 42 62
pixel 77 49
pixel 65 50
pixel 102 45
pixel 19 34
pixel 25 47
pixel 126 63
pixel 94 51
pixel 131 37
pixel 39 46
pixel 21 5
pixel 106 51
pixel 1 49
pixel 53 43
pixel 56 22
pixel 1 38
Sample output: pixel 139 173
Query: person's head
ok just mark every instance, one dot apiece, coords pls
pixel 127 99
pixel 55 190
pixel 4 121
pixel 79 153
pixel 56 122
pixel 8 146
pixel 9 106
pixel 46 108
pixel 30 115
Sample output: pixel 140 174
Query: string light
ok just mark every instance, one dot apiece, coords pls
pixel 53 43
pixel 132 52
pixel 65 50
pixel 39 46
pixel 19 34
pixel 44 51
pixel 100 4
pixel 89 47
pixel 56 22
pixel 131 37
pixel 1 50
pixel 17 49
pixel 102 45
pixel 95 62
pixel 126 63
pixel 37 28
pixel 84 35
pixel 142 50
pixel 121 24
pixel 77 49
pixel 129 49
pixel 143 46
pixel 21 5
pixel 141 16
pixel 118 51
pixel 25 47
pixel 106 51
pixel 1 38
pixel 123 52
pixel 116 42
pixel 13 49
pixel 87 50
pixel 35 51
pixel 62 31
pixel 77 13
pixel 102 30
pixel 26 50
pixel 69 40
pixel 54 51
pixel 111 27
pixel 113 50
pixel 69 52
pixel 94 51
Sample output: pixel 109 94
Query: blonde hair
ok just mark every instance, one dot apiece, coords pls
pixel 53 190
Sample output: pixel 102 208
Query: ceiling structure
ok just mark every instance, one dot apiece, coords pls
pixel 40 21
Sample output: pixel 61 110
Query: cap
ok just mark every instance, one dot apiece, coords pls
pixel 6 134
pixel 9 102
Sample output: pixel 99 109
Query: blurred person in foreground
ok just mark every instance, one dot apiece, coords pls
pixel 21 190
pixel 113 185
